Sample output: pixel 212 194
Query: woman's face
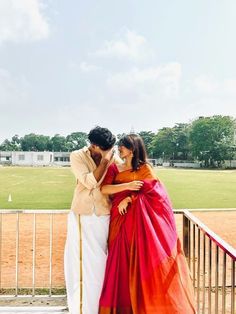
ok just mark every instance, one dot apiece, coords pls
pixel 125 152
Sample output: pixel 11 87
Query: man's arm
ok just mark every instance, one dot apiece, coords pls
pixel 105 161
pixel 82 173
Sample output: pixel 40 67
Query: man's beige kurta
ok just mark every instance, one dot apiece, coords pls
pixel 88 198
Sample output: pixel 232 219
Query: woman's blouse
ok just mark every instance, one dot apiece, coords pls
pixel 114 176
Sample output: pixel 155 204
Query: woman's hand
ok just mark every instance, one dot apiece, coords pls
pixel 122 207
pixel 134 185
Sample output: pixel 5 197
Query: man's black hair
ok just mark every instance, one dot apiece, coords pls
pixel 102 137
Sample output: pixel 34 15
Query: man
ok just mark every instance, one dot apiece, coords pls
pixel 88 221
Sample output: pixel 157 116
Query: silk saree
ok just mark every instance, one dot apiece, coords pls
pixel 146 270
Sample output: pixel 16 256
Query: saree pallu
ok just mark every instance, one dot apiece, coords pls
pixel 146 270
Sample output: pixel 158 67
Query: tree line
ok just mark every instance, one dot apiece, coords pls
pixel 210 140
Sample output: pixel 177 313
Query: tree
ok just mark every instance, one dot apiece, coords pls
pixel 6 145
pixel 34 142
pixel 181 147
pixel 58 143
pixel 76 140
pixel 211 139
pixel 148 137
pixel 120 135
pixel 172 143
pixel 163 143
pixel 13 145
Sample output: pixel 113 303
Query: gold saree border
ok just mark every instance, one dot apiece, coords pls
pixel 80 264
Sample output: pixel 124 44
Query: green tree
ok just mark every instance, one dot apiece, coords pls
pixel 172 143
pixel 148 137
pixel 211 139
pixel 181 147
pixel 34 142
pixel 76 140
pixel 58 143
pixel 163 143
pixel 6 145
pixel 13 145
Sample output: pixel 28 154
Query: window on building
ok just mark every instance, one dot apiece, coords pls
pixel 21 157
pixel 40 157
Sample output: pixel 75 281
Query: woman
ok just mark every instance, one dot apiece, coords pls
pixel 146 270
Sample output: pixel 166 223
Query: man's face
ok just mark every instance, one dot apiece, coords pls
pixel 97 149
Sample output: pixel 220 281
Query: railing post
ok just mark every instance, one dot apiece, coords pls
pixel 0 250
pixel 186 236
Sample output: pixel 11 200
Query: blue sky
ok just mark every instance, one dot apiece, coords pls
pixel 67 66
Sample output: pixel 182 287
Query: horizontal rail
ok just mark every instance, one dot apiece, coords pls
pixel 212 235
pixel 64 211
pixel 34 211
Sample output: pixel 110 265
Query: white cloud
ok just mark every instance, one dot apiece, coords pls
pixel 164 79
pixel 14 103
pixel 205 84
pixel 129 45
pixel 211 86
pixel 229 86
pixel 86 67
pixel 13 90
pixel 22 20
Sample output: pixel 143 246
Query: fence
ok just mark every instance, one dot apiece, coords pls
pixel 212 264
pixel 31 258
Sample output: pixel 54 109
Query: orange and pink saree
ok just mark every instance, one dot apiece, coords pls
pixel 146 271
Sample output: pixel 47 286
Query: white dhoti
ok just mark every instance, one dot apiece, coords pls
pixel 85 261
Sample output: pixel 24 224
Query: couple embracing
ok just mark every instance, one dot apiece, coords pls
pixel 122 252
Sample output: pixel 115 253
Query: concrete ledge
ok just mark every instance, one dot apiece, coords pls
pixel 33 309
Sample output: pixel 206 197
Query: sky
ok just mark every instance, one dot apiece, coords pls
pixel 67 66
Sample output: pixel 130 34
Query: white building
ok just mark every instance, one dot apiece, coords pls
pixel 32 158
pixel 61 158
pixel 20 158
pixel 5 158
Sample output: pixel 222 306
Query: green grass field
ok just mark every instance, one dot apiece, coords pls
pixel 52 188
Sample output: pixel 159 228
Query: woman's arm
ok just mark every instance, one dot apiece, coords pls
pixel 115 188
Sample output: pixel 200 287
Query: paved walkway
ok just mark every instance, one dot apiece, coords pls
pixel 33 310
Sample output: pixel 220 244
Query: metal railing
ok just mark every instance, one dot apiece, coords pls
pixel 212 263
pixel 34 214
pixel 211 260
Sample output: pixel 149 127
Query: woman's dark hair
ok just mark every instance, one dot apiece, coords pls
pixel 102 137
pixel 136 144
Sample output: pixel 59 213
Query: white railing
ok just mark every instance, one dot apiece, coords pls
pixel 211 260
pixel 23 215
pixel 212 264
